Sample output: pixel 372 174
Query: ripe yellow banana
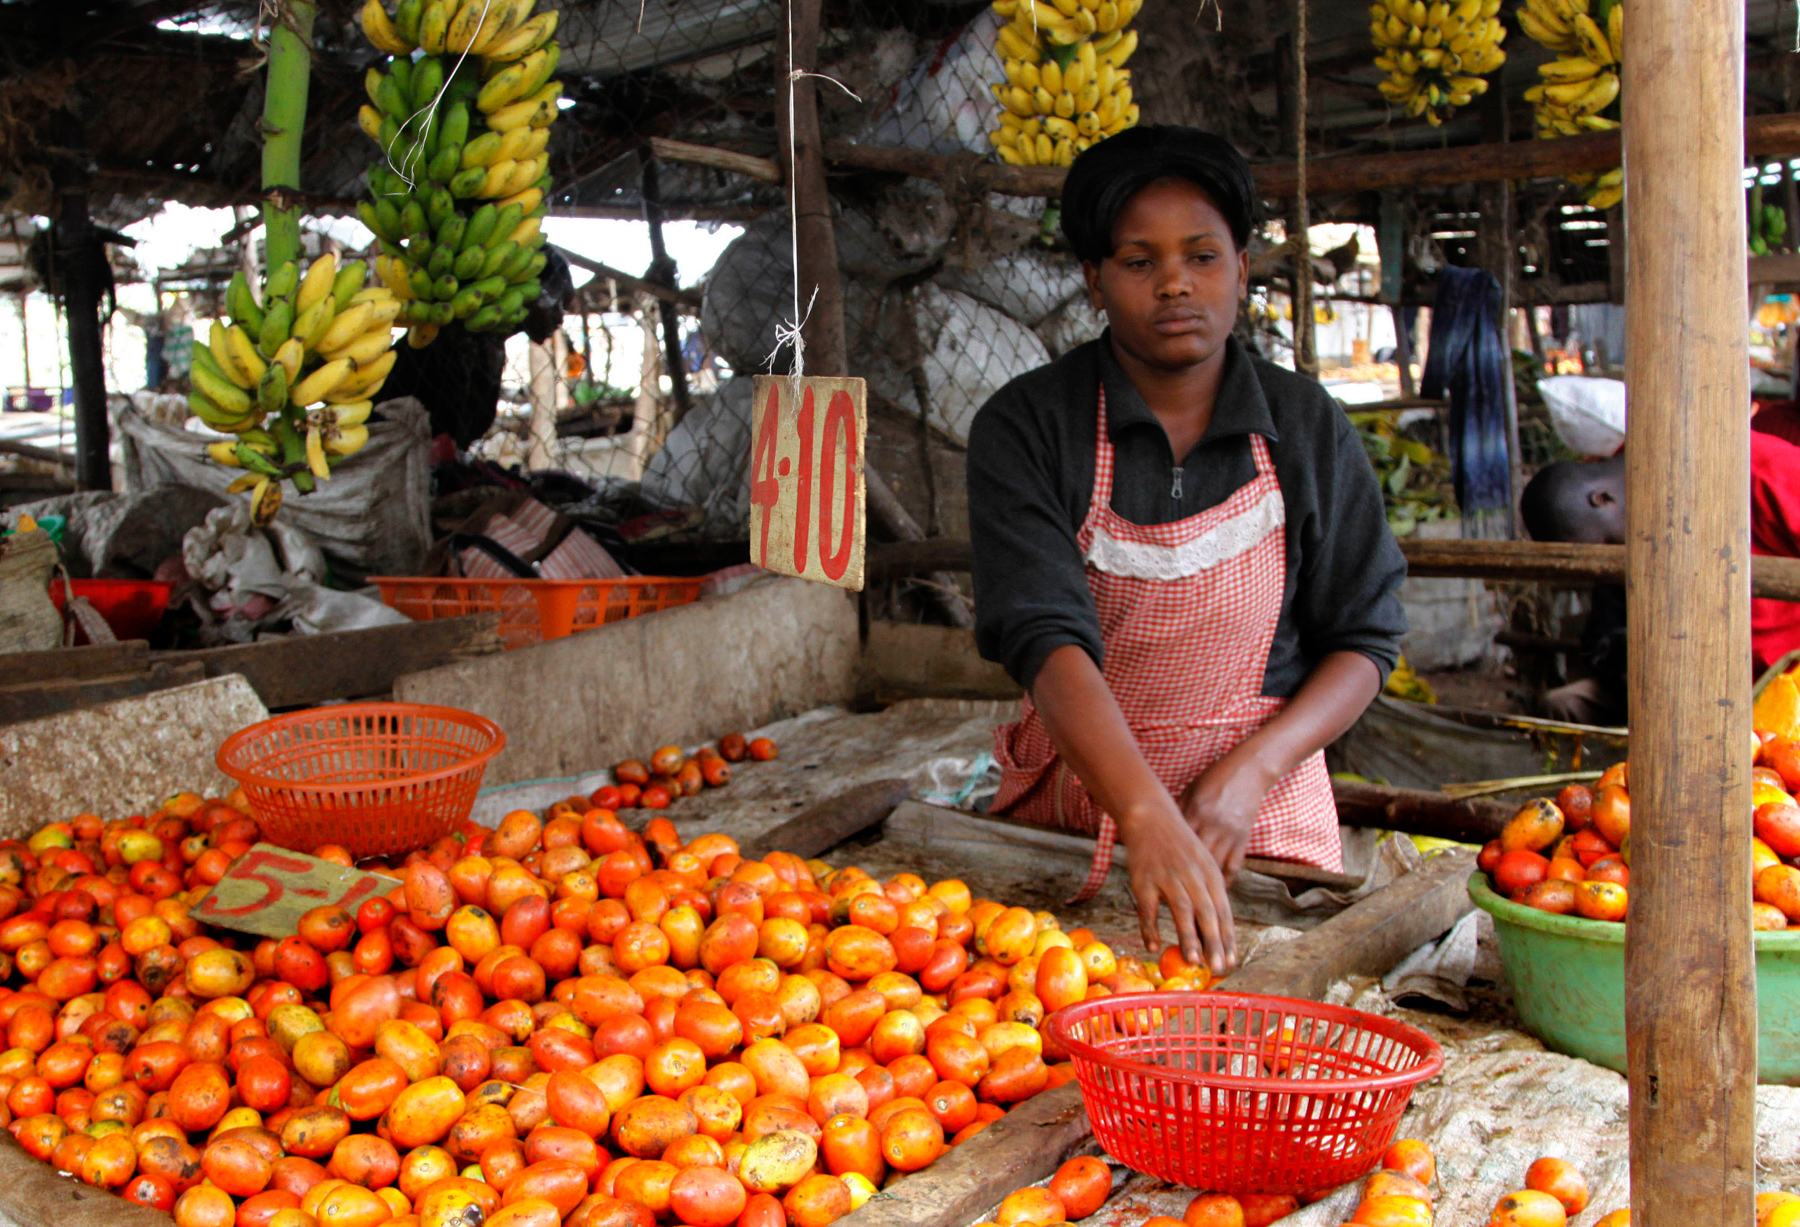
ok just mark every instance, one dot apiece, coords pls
pixel 353 414
pixel 346 327
pixel 290 355
pixel 527 200
pixel 349 441
pixel 321 383
pixel 315 454
pixel 220 344
pixel 433 25
pixel 527 37
pixel 320 277
pixel 362 385
pixel 244 356
pixel 367 347
pixel 379 28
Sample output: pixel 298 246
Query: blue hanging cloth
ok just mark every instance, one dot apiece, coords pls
pixel 1468 365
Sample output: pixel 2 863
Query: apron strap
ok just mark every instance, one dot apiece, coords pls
pixel 1104 840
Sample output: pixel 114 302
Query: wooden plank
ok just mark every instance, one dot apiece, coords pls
pixel 828 823
pixel 766 169
pixel 34 700
pixel 307 669
pixel 1764 135
pixel 1775 269
pixel 1474 820
pixel 75 664
pixel 1572 564
pixel 806 477
pixel 897 559
pixel 1690 966
pixel 1034 1139
pixel 1368 938
pixel 818 293
pixel 637 285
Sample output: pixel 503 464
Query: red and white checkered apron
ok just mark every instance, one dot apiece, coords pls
pixel 1187 613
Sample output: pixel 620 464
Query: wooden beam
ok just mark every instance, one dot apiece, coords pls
pixel 306 669
pixel 1774 270
pixel 34 700
pixel 76 664
pixel 1034 1139
pixel 32 452
pixel 1690 964
pixel 765 169
pixel 1572 564
pixel 1369 938
pixel 823 826
pixel 1764 136
pixel 1500 560
pixel 1474 820
pixel 821 294
pixel 686 299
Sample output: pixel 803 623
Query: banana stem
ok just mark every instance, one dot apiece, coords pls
pixel 284 121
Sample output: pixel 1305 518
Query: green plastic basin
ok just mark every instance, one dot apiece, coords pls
pixel 1568 982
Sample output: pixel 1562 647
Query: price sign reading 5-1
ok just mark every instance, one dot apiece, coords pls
pixel 806 477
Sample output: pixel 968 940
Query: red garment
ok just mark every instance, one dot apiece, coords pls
pixel 1774 530
pixel 1187 612
pixel 1779 418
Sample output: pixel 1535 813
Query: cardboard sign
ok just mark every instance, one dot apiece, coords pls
pixel 268 889
pixel 806 477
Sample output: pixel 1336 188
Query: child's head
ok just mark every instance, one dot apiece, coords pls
pixel 1576 500
pixel 1160 218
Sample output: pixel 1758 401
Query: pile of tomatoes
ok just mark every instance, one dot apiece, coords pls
pixel 556 1023
pixel 1570 856
pixel 671 774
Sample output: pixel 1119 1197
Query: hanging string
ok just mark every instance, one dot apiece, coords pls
pixel 790 332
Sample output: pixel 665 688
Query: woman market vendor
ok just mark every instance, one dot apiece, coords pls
pixel 1180 553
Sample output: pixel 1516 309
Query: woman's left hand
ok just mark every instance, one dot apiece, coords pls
pixel 1221 806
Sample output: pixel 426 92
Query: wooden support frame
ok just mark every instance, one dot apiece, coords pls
pixel 1690 965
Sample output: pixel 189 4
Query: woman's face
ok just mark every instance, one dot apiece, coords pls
pixel 1172 285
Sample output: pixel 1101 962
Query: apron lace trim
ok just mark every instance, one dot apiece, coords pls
pixel 1221 543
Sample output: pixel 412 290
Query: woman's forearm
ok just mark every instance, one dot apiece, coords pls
pixel 1092 737
pixel 1334 695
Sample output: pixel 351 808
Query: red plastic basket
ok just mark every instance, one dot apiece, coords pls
pixel 1243 1094
pixel 533 610
pixel 378 778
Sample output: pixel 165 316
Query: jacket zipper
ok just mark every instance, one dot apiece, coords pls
pixel 1175 489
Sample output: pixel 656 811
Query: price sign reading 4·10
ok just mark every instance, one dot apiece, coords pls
pixel 806 477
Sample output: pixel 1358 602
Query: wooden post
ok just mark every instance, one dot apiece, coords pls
pixel 662 272
pixel 541 444
pixel 1290 102
pixel 803 166
pixel 1690 995
pixel 81 267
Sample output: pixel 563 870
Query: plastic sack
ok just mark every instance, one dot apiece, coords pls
pixel 1588 414
pixel 705 462
pixel 372 518
pixel 947 104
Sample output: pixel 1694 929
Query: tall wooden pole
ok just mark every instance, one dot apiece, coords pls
pixel 1690 997
pixel 803 167
pixel 1306 337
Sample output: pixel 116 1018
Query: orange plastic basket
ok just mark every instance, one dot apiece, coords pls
pixel 378 778
pixel 533 610
pixel 1240 1093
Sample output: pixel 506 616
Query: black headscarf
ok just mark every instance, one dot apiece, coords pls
pixel 1109 174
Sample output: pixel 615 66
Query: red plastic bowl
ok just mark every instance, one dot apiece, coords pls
pixel 1243 1094
pixel 132 607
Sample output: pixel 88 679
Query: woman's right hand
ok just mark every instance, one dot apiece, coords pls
pixel 1170 865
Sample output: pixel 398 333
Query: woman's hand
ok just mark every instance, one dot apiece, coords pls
pixel 1221 807
pixel 1171 865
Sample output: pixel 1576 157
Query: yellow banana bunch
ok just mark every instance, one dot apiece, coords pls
pixel 1436 56
pixel 312 336
pixel 1579 92
pixel 1066 84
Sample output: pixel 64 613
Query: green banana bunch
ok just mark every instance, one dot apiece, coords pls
pixel 1580 88
pixel 458 194
pixel 1066 84
pixel 1436 55
pixel 297 397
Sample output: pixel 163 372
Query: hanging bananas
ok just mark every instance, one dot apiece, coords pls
pixel 1066 82
pixel 457 197
pixel 294 376
pixel 1580 89
pixel 1436 56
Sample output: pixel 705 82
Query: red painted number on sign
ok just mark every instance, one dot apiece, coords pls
pixel 841 416
pixel 765 487
pixel 248 868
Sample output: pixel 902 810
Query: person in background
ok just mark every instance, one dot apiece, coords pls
pixel 1584 502
pixel 1180 551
